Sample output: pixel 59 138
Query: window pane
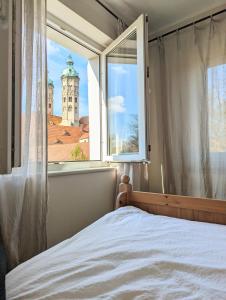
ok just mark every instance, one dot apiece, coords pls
pixel 68 104
pixel 217 108
pixel 122 97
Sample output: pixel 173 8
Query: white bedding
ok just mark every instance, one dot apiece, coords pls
pixel 129 254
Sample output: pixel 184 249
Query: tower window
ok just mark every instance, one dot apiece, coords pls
pixel 49 105
pixel 70 99
pixel 76 100
pixel 64 99
pixel 69 108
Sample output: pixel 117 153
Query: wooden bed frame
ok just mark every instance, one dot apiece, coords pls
pixel 183 207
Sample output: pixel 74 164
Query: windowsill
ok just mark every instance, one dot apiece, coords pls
pixel 70 168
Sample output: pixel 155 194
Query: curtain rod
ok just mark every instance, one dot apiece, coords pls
pixel 188 25
pixel 107 9
pixel 110 11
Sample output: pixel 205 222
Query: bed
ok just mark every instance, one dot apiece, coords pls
pixel 131 253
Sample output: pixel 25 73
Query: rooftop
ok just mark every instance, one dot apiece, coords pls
pixel 62 140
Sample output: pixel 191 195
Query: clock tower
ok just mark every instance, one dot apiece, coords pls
pixel 70 95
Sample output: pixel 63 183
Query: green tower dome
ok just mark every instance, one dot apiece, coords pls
pixel 69 71
pixel 50 82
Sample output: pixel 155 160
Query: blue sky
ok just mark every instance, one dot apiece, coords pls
pixel 122 98
pixel 56 57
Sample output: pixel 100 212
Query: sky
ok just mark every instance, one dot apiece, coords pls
pixel 56 57
pixel 122 99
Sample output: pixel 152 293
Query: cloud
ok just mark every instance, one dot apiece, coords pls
pixel 52 47
pixel 116 104
pixel 119 69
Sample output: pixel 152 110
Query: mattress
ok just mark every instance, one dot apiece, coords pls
pixel 128 254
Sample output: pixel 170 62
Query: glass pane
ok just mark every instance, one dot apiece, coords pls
pixel 122 97
pixel 217 108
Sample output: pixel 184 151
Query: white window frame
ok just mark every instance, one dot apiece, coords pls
pixel 140 25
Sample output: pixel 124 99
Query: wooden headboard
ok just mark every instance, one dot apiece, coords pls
pixel 184 207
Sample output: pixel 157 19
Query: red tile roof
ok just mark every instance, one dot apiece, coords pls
pixel 62 152
pixel 84 120
pixel 54 120
pixel 63 139
pixel 65 134
pixel 85 127
pixel 84 136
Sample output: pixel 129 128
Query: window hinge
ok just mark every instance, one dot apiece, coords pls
pixel 147 72
pixel 149 148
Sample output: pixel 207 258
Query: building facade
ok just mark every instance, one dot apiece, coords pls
pixel 70 95
pixel 50 96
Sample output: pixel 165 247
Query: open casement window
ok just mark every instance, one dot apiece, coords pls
pixel 124 77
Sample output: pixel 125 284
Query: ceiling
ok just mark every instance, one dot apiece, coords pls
pixel 163 13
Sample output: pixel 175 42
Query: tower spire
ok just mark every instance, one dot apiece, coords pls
pixel 69 60
pixel 50 96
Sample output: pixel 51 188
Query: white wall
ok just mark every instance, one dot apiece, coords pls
pixel 77 200
pixel 95 14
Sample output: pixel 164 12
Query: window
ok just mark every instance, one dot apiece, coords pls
pixel 124 83
pixel 76 76
pixel 71 65
pixel 217 108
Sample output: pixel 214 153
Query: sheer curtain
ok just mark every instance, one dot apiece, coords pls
pixel 188 84
pixel 138 173
pixel 23 194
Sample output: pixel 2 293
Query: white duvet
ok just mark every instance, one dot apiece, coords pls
pixel 129 254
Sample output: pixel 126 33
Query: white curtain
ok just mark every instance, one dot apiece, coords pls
pixel 121 26
pixel 23 194
pixel 188 90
